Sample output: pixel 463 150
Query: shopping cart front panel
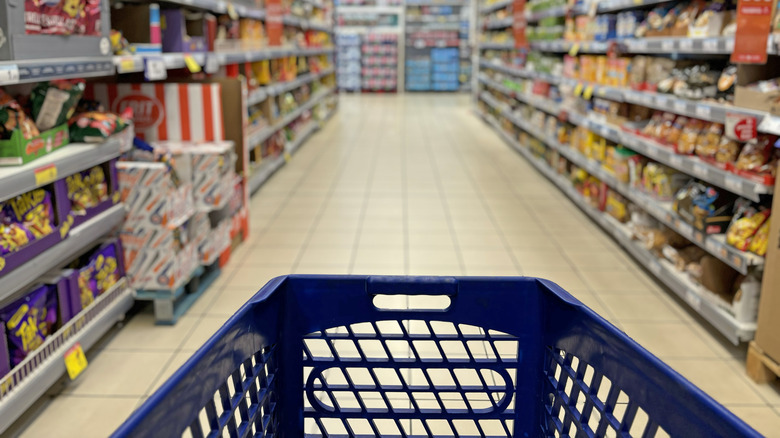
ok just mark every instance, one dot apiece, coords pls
pixel 358 356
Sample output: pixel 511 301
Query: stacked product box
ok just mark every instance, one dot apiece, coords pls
pixel 446 69
pixel 380 51
pixel 418 74
pixel 348 61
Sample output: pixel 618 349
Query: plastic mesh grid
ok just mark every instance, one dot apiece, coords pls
pixel 580 401
pixel 244 405
pixel 409 378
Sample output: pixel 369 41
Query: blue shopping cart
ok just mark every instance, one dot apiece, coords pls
pixel 359 356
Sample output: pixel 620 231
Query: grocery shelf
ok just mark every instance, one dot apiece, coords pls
pixel 66 160
pixel 436 3
pixel 714 244
pixel 291 20
pixel 221 7
pixel 688 164
pixel 498 24
pixel 559 11
pixel 710 307
pixel 36 70
pixel 301 137
pixel 262 93
pixel 79 240
pixel 420 25
pixel 495 6
pixel 42 368
pixel 543 104
pixel 509 45
pixel 618 5
pixel 265 133
pixel 669 45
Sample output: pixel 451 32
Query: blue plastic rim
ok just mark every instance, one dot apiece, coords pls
pixel 360 356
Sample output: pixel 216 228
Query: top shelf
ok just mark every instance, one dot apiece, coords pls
pixel 222 7
pixel 561 11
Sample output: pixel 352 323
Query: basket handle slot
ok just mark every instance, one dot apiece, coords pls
pixel 389 285
pixel 412 303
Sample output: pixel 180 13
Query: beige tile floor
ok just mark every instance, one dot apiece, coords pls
pixel 409 184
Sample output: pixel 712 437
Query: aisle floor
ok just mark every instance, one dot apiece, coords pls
pixel 410 184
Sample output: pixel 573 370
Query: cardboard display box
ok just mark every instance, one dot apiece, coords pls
pixel 768 331
pixel 746 97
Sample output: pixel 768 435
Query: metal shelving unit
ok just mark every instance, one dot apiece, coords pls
pixel 699 299
pixel 260 94
pixel 265 133
pixel 30 380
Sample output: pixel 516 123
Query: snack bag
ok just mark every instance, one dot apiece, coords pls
pixel 666 126
pixel 86 189
pixel 760 241
pixel 29 321
pixel 33 210
pixel 709 141
pixel 728 150
pixel 655 122
pixel 95 126
pixel 673 135
pixel 12 118
pixel 745 223
pixel 106 267
pixel 54 102
pixel 689 137
pixel 13 235
pixel 756 155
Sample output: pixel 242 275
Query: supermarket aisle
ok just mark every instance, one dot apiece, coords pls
pixel 411 184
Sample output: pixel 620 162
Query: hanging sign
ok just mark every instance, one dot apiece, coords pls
pixel 754 20
pixel 519 24
pixel 274 12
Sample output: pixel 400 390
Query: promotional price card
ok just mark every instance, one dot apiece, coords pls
pixel 519 24
pixel 754 19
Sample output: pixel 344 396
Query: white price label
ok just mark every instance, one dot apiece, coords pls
pixel 154 69
pixel 770 125
pixel 212 64
pixel 676 161
pixel 733 184
pixel 667 45
pixel 9 74
pixel 693 299
pixel 686 230
pixel 686 44
pixel 661 101
pixel 700 169
pixel 710 45
pixel 703 111
pixel 711 245
pixel 639 45
pixel 655 267
pixel 679 106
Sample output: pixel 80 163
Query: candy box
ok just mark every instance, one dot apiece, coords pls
pixel 28 321
pixel 170 111
pixel 91 192
pixel 32 223
pixel 181 33
pixel 153 195
pixel 19 150
pixel 140 25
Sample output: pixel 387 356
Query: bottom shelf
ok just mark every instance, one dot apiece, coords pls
pixel 29 380
pixel 705 303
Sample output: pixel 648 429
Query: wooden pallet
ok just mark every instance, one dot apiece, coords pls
pixel 760 367
pixel 169 305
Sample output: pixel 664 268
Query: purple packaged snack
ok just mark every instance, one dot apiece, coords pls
pixel 106 267
pixel 29 321
pixel 87 285
pixel 34 210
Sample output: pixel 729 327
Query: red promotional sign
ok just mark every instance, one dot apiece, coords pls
pixel 741 127
pixel 274 11
pixel 519 24
pixel 754 19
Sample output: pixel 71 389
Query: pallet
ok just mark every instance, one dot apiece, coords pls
pixel 760 367
pixel 170 305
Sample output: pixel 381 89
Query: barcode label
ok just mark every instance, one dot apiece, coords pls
pixel 9 74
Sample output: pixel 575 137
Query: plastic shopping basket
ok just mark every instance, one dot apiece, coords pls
pixel 356 356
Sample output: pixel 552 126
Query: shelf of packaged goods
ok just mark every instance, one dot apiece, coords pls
pixel 302 23
pixel 709 306
pixel 317 4
pixel 510 45
pixel 618 5
pixel 498 24
pixel 301 136
pixel 495 6
pixel 42 368
pixel 397 30
pixel 265 133
pixel 369 9
pixel 222 7
pixel 173 61
pixel 58 164
pixel 420 25
pixel 454 3
pixel 559 11
pixel 663 154
pixel 714 244
pixel 78 240
pixel 710 111
pixel 660 45
pixel 543 104
pixel 262 93
pixel 36 70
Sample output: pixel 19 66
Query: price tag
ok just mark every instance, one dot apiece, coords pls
pixel 192 64
pixel 212 64
pixel 680 106
pixel 667 45
pixel 578 89
pixel 661 101
pixel 126 64
pixel 46 174
pixel 676 161
pixel 231 10
pixel 693 299
pixel 9 74
pixel 710 45
pixel 703 111
pixel 770 125
pixel 75 361
pixel 639 45
pixel 588 93
pixel 155 69
pixel 701 169
pixel 711 245
pixel 686 44
pixel 575 48
pixel 655 267
pixel 733 184
pixel 287 157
